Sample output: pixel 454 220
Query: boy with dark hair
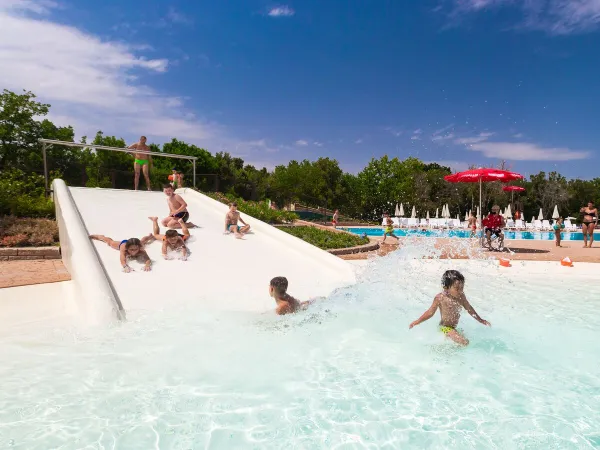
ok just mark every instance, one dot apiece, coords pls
pixel 286 304
pixel 389 228
pixel 450 302
pixel 172 240
pixel 177 209
pixel 231 222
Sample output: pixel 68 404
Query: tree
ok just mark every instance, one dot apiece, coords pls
pixel 19 129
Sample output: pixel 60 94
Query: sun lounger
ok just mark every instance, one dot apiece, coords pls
pixel 537 225
pixel 546 225
pixel 412 223
pixel 519 225
pixel 510 224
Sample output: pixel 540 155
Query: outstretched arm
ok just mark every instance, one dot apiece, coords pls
pixel 164 248
pixel 429 313
pixel 472 312
pixel 147 261
pixel 123 258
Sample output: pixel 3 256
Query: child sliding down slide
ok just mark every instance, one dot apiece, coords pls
pixel 129 249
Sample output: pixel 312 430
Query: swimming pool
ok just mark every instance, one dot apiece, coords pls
pixel 347 373
pixel 512 235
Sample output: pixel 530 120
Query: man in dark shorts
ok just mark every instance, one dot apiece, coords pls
pixel 494 223
pixel 177 207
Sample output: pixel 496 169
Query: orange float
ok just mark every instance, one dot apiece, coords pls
pixel 566 262
pixel 505 262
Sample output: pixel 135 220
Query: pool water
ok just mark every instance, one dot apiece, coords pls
pixel 511 235
pixel 347 373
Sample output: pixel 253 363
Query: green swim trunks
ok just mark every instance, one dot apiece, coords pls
pixel 389 230
pixel 446 330
pixel 141 162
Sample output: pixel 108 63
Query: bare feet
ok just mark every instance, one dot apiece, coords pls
pixel 191 225
pixel 153 219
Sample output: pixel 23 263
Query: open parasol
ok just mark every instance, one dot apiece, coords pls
pixel 483 175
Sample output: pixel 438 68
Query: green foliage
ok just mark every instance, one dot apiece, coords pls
pixel 258 210
pixel 320 184
pixel 22 195
pixel 324 239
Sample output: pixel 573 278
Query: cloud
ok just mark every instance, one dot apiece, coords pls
pixel 441 135
pixel 518 135
pixel 178 18
pixel 523 151
pixel 557 17
pixel 358 141
pixel 474 140
pixel 394 131
pixel 95 84
pixel 318 144
pixel 442 138
pixel 281 11
pixel 519 151
pixel 416 135
pixel 301 143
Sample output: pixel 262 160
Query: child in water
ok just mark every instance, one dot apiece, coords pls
pixel 129 249
pixel 450 302
pixel 286 304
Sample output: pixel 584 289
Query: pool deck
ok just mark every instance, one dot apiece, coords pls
pixel 28 272
pixel 518 250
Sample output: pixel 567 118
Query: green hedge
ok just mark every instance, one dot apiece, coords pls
pixel 258 210
pixel 325 240
pixel 22 195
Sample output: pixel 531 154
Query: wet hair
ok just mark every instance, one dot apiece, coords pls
pixel 167 186
pixel 450 277
pixel 143 137
pixel 280 285
pixel 171 233
pixel 590 202
pixel 132 241
pixel 233 204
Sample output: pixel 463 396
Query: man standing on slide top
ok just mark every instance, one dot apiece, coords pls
pixel 143 161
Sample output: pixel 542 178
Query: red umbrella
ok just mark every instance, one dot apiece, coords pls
pixel 483 175
pixel 512 190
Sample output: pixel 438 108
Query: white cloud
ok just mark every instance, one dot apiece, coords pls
pixel 474 140
pixel 394 131
pixel 518 135
pixel 558 17
pixel 94 84
pixel 358 141
pixel 176 17
pixel 415 138
pixel 281 11
pixel 519 151
pixel 417 131
pixel 523 151
pixel 416 135
pixel 441 138
pixel 318 144
pixel 301 143
pixel 442 130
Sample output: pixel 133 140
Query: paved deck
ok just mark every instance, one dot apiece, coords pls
pixel 522 250
pixel 28 272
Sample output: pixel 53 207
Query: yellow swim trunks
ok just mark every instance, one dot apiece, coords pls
pixel 446 330
pixel 389 230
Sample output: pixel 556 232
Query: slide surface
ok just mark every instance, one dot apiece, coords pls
pixel 221 272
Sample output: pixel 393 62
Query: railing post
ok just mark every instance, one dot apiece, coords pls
pixel 194 161
pixel 45 169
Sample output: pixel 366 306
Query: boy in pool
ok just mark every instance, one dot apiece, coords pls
pixel 286 304
pixel 450 302
pixel 171 240
pixel 128 249
pixel 389 228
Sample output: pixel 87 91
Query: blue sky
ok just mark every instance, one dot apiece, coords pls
pixel 454 81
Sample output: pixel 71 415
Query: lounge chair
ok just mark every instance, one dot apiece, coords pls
pixel 510 224
pixel 412 223
pixel 546 225
pixel 519 225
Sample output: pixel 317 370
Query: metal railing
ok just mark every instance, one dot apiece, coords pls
pixel 47 143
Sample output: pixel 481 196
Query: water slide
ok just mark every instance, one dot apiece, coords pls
pixel 221 272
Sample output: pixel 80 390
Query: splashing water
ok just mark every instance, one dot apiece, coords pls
pixel 347 372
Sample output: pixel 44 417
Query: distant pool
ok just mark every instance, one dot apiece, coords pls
pixel 511 235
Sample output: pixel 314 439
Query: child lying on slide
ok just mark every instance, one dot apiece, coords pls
pixel 171 240
pixel 129 249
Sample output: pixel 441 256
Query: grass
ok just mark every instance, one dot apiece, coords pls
pixel 325 240
pixel 27 232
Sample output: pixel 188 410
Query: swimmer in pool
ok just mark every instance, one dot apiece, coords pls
pixel 450 302
pixel 286 304
pixel 129 249
pixel 171 240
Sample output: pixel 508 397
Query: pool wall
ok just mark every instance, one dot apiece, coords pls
pixel 95 299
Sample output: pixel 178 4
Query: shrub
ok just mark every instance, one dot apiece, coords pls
pixel 15 232
pixel 324 239
pixel 258 210
pixel 23 195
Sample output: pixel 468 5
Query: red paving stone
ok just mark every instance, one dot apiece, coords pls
pixel 27 272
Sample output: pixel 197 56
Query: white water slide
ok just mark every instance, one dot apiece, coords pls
pixel 221 272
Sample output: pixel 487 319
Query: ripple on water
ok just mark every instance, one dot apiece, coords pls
pixel 346 374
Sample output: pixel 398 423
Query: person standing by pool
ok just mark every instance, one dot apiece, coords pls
pixel 558 227
pixel 389 228
pixel 334 220
pixel 450 302
pixel 142 161
pixel 590 217
pixel 473 224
